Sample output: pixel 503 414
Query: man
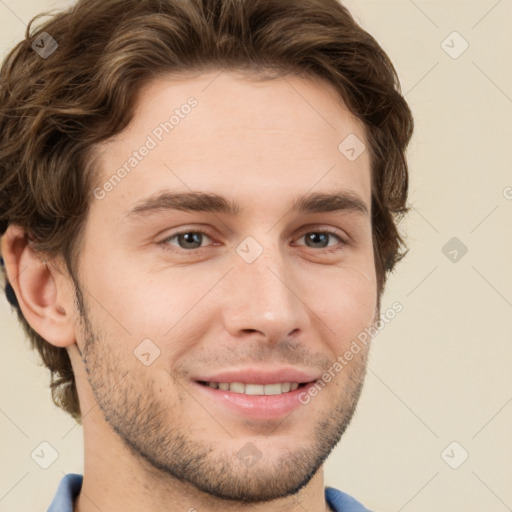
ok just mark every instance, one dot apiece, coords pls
pixel 199 207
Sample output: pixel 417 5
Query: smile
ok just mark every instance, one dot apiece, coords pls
pixel 255 389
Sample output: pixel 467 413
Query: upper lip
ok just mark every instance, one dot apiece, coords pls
pixel 259 376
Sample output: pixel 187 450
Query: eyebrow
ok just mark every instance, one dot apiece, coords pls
pixel 210 202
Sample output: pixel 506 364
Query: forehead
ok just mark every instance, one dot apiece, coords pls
pixel 221 131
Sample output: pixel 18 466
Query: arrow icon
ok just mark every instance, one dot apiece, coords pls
pixel 454 45
pixel 247 252
pixel 44 455
pixel 351 147
pixel 44 45
pixel 147 352
pixel 454 455
pixel 249 455
pixel 454 249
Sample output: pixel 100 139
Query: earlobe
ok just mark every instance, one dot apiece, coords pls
pixel 43 293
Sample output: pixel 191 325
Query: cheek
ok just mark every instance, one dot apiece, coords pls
pixel 345 302
pixel 168 308
pixel 129 297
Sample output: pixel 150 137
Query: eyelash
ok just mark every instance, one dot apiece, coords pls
pixel 166 245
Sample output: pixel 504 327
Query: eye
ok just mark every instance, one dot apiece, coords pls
pixel 321 240
pixel 186 239
pixel 193 240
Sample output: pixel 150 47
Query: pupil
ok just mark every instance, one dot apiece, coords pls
pixel 318 238
pixel 190 239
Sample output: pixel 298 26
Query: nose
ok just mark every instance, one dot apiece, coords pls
pixel 264 297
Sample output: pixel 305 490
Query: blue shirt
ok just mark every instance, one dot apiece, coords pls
pixel 70 486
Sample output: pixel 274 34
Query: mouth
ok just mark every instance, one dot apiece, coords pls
pixel 255 393
pixel 255 389
pixel 259 402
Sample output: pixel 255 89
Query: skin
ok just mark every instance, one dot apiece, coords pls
pixel 207 309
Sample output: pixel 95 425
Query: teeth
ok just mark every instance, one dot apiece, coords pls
pixel 272 389
pixel 255 389
pixel 237 387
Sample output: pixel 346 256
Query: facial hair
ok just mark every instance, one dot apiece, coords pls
pixel 165 444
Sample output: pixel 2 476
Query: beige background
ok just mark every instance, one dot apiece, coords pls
pixel 440 371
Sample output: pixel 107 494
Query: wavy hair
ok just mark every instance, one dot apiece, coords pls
pixel 54 110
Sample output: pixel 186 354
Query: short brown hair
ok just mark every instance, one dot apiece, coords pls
pixel 54 110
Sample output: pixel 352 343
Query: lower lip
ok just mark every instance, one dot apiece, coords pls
pixel 263 407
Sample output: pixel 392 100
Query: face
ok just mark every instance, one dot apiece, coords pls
pixel 223 284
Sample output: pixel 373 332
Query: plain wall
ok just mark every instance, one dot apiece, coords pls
pixel 440 371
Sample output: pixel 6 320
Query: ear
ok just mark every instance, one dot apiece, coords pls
pixel 45 294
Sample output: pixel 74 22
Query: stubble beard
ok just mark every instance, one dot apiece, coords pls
pixel 167 450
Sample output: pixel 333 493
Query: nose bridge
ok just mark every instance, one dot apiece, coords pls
pixel 261 293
